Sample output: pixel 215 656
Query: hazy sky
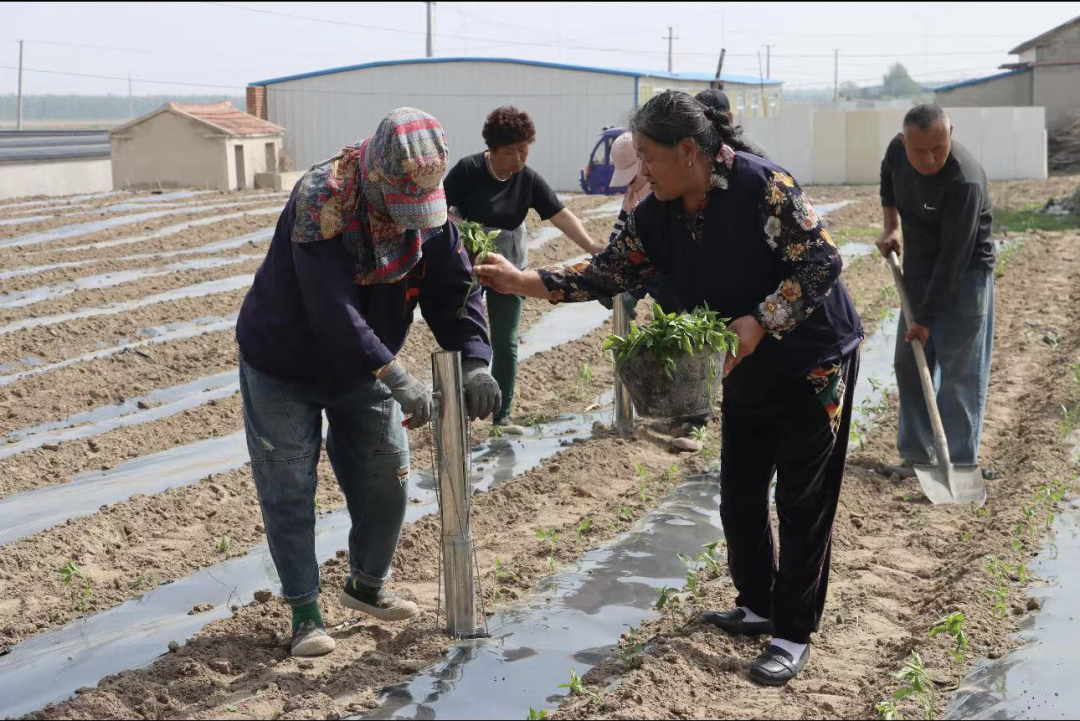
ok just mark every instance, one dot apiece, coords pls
pixel 220 47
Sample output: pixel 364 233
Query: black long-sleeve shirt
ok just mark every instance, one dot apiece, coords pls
pixel 755 248
pixel 945 219
pixel 305 319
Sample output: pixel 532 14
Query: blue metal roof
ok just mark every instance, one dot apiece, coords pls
pixel 703 77
pixel 977 81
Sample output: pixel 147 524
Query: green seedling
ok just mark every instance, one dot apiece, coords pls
pixel 668 602
pixel 700 434
pixel 223 545
pixel 624 513
pixel 584 527
pixel 953 626
pixel 144 580
pixel 478 244
pixel 965 536
pixel 642 487
pixel 671 335
pixel 537 419
pixel 640 470
pixel 551 536
pixel 577 687
pixel 708 556
pixel 501 574
pixel 628 653
pixel 71 571
pixel 232 708
pixel 535 715
pixel 1070 420
pixel 1029 517
pixel 999 593
pixel 671 472
pixel 917 686
pixel 585 373
pixel 889 296
pixel 496 432
pixel 693 567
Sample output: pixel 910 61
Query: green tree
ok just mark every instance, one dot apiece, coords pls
pixel 898 84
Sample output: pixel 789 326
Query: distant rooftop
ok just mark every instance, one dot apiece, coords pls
pixel 223 116
pixel 977 81
pixel 660 74
pixel 226 116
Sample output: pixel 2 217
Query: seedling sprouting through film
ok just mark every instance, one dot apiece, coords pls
pixel 577 687
pixel 551 536
pixel 917 686
pixel 71 571
pixel 954 626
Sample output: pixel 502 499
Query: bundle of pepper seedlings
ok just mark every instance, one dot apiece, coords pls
pixel 478 243
pixel 673 334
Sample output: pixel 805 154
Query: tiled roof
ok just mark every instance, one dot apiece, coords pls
pixel 225 116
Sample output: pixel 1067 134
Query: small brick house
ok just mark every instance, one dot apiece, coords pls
pixel 183 145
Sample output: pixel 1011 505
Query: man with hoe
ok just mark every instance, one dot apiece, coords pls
pixel 934 196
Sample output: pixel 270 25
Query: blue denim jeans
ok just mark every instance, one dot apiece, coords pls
pixel 368 450
pixel 961 342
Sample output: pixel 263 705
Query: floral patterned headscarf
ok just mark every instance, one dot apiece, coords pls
pixel 379 194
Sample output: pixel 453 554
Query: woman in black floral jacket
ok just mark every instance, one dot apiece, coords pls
pixel 735 231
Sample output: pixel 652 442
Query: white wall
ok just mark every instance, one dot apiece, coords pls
pixel 569 108
pixel 169 150
pixel 254 157
pixel 56 177
pixel 834 146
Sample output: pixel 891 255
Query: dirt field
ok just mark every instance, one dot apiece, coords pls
pixel 898 564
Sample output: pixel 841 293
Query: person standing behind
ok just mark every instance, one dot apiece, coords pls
pixel 627 165
pixel 496 189
pixel 934 196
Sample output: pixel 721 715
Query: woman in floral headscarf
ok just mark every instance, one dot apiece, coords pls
pixel 363 240
pixel 735 231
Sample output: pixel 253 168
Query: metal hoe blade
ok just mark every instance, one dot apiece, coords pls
pixel 942 482
pixel 965 485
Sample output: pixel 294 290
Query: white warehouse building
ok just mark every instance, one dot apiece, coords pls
pixel 570 105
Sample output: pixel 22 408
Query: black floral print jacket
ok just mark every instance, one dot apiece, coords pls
pixel 755 247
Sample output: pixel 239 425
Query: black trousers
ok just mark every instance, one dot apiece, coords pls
pixel 794 437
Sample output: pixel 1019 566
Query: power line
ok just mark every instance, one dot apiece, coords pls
pixel 591 48
pixel 189 50
pixel 355 93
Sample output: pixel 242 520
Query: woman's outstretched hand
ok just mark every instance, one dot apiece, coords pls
pixel 498 274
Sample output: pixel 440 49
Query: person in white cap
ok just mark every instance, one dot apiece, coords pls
pixel 627 165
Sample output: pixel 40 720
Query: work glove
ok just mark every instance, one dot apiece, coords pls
pixel 412 395
pixel 482 394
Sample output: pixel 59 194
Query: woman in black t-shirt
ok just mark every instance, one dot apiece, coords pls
pixel 496 189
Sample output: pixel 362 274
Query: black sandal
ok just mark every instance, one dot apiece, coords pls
pixel 775 666
pixel 734 622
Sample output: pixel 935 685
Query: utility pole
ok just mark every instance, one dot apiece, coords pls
pixel 718 83
pixel 18 103
pixel 671 37
pixel 761 85
pixel 131 100
pixel 431 29
pixel 836 76
pixel 768 61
